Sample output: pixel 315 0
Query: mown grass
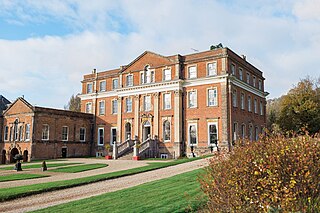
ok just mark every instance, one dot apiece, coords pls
pixel 180 193
pixel 13 177
pixel 22 191
pixel 35 166
pixel 80 168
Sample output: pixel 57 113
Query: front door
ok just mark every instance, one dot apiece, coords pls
pixel 146 130
pixel 64 152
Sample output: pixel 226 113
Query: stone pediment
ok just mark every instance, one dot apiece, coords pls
pixel 147 58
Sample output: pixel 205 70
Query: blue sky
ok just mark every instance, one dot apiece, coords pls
pixel 47 46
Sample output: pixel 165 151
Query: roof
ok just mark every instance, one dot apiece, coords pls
pixel 3 103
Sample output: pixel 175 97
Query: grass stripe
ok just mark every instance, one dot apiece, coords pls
pixel 23 191
pixel 20 177
pixel 180 193
pixel 35 166
pixel 80 168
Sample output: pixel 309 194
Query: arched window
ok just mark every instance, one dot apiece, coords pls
pixel 166 131
pixel 127 133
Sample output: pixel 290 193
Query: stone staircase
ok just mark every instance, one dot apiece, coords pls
pixel 127 156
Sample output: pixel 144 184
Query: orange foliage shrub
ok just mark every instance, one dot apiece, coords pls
pixel 274 174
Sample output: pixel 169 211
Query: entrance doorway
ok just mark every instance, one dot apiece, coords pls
pixel 25 156
pixel 64 152
pixel 146 130
pixel 13 153
pixel 113 138
pixel 3 158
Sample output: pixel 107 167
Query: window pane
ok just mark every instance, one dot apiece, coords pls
pixel 129 80
pixel 167 74
pixel 82 134
pixel 100 136
pixel 147 103
pixel 212 68
pixel 192 72
pixel 192 99
pixel 166 130
pixel 213 136
pixel 102 86
pixel 115 83
pixel 101 108
pixel 64 133
pixel 167 101
pixel 115 106
pixel 193 134
pixel 89 88
pixel 128 105
pixel 212 97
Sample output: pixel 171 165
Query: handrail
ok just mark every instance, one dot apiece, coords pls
pixel 125 147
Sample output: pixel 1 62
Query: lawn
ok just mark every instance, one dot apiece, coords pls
pixel 23 191
pixel 34 166
pixel 180 193
pixel 20 177
pixel 79 168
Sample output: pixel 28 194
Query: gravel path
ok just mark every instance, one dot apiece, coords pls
pixel 63 196
pixel 113 166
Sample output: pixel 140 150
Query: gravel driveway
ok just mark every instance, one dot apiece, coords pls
pixel 44 200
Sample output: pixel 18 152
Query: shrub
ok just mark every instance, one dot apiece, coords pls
pixel 274 174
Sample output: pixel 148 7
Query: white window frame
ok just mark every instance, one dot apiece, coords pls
pixel 43 133
pixel 88 109
pixel 129 82
pixel 65 135
pixel 163 131
pixel 240 73
pixel 208 132
pixel 88 91
pixel 196 99
pixel 243 131
pixel 27 132
pixel 127 109
pixel 195 71
pixel 115 86
pixel 147 103
pixel 249 103
pixel 21 133
pixel 248 78
pixel 196 126
pixel 260 84
pixel 166 76
pixel 215 96
pixel 214 64
pixel 102 110
pixel 261 108
pixel 242 100
pixel 112 128
pixel 6 133
pixel 235 131
pixel 84 134
pixel 256 132
pixel 255 106
pixel 234 98
pixel 254 84
pixel 105 86
pixel 99 136
pixel 233 69
pixel 166 105
pixel 114 110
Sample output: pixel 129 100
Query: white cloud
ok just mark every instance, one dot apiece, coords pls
pixel 106 34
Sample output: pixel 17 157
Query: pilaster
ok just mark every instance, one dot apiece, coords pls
pixel 156 113
pixel 119 120
pixel 136 115
pixel 177 122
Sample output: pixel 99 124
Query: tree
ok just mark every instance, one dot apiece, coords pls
pixel 300 108
pixel 74 104
pixel 272 113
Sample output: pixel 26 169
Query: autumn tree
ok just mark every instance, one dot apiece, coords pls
pixel 273 113
pixel 300 108
pixel 74 104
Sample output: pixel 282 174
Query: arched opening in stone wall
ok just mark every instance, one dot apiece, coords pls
pixel 25 156
pixel 13 153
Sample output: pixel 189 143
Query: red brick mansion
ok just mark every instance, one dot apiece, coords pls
pixel 176 105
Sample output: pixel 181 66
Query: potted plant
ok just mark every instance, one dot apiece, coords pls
pixel 108 152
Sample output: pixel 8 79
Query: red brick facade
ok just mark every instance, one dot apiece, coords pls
pixel 44 133
pixel 187 102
